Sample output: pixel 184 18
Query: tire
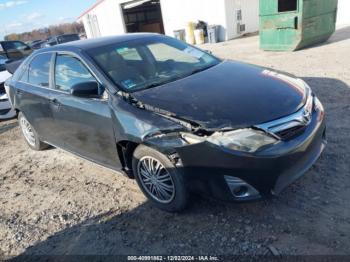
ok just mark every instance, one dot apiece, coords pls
pixel 168 178
pixel 30 135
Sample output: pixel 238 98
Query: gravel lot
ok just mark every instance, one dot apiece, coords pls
pixel 55 203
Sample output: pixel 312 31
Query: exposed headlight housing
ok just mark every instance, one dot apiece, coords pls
pixel 244 140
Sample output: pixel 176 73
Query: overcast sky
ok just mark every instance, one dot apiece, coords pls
pixel 17 16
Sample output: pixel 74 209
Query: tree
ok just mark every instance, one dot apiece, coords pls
pixel 44 33
pixel 12 37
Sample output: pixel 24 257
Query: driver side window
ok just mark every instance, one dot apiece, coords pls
pixel 69 71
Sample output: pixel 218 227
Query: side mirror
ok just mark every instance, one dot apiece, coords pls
pixel 85 89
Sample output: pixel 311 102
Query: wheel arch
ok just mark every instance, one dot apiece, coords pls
pixel 126 150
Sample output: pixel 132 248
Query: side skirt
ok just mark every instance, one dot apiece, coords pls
pixel 111 168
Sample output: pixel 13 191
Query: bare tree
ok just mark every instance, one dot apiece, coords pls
pixel 44 33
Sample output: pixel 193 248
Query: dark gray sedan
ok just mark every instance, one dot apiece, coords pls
pixel 175 118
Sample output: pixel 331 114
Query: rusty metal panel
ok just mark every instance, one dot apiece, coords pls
pixel 295 25
pixel 319 20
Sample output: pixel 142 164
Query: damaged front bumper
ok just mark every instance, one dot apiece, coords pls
pixel 233 175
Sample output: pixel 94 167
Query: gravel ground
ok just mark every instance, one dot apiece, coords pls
pixel 55 203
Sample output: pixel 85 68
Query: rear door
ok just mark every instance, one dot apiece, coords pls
pixel 33 95
pixel 82 125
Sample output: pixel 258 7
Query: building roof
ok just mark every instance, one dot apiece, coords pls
pixel 91 8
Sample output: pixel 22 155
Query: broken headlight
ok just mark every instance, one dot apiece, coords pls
pixel 245 140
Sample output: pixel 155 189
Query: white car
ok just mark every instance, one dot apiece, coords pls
pixel 6 111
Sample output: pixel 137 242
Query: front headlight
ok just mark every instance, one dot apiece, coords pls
pixel 245 140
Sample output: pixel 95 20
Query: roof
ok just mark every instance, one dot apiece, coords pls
pixel 101 41
pixel 91 8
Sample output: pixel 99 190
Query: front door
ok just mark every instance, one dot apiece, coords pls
pixel 83 125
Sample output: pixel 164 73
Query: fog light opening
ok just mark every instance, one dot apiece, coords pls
pixel 240 191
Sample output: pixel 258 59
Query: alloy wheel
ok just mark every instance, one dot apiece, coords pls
pixel 27 131
pixel 156 180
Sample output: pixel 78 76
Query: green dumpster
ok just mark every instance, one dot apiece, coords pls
pixel 288 25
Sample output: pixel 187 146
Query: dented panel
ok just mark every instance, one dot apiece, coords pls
pixel 283 29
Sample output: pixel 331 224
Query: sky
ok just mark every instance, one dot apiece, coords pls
pixel 17 16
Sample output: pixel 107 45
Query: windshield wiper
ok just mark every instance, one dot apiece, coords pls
pixel 172 79
pixel 159 83
pixel 201 69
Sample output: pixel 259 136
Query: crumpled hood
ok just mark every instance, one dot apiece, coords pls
pixel 229 95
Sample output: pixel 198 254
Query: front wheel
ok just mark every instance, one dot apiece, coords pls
pixel 161 182
pixel 30 135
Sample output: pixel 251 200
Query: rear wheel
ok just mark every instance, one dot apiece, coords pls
pixel 30 135
pixel 161 182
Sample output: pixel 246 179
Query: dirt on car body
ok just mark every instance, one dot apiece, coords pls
pixel 54 203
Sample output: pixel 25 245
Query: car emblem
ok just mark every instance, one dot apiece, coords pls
pixel 306 117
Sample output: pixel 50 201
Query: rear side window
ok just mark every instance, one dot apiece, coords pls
pixel 21 74
pixel 70 71
pixel 39 70
pixel 24 77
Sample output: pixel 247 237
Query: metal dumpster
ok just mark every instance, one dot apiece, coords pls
pixel 288 25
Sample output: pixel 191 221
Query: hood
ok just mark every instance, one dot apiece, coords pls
pixel 228 95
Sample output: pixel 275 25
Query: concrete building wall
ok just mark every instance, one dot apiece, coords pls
pixel 109 17
pixel 176 15
pixel 249 17
pixel 343 13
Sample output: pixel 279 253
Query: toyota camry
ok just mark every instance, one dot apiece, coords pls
pixel 175 118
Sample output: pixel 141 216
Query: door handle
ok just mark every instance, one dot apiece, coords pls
pixel 54 102
pixel 19 92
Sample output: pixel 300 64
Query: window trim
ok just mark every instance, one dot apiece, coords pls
pixel 26 66
pixel 52 67
pixel 27 69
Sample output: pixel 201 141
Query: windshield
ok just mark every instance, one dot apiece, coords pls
pixel 150 62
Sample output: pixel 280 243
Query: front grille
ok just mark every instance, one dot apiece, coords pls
pixel 291 126
pixel 291 133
